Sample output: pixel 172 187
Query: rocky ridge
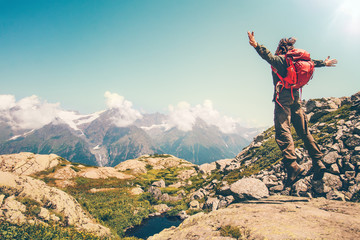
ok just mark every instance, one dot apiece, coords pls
pixel 52 204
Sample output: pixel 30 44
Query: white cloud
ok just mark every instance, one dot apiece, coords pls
pixel 33 113
pixel 30 112
pixel 125 114
pixel 183 116
pixel 6 102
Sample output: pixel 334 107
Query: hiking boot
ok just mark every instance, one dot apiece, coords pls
pixel 293 171
pixel 318 169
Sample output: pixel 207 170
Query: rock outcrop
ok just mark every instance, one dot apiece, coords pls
pixel 49 198
pixel 143 163
pixel 26 163
pixel 340 143
pixel 277 217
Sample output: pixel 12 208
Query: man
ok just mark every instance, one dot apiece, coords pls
pixel 288 110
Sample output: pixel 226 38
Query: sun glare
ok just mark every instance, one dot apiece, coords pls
pixel 347 16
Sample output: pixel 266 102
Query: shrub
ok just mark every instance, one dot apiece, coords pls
pixel 236 232
pixel 10 231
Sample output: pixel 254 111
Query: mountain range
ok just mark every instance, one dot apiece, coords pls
pixel 103 139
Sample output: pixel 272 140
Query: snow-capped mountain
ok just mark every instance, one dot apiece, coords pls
pixel 109 137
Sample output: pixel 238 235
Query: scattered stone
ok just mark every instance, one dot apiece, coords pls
pixel 334 169
pixel 335 195
pixel 161 209
pixel 199 194
pixel 352 141
pixel 2 196
pixel 249 188
pixel 156 192
pixel 221 164
pixel 159 184
pixel 302 187
pixel 277 188
pixel 177 185
pixel 183 215
pixel 44 214
pixel 207 168
pixel 136 191
pixel 212 203
pixel 328 183
pixel 350 174
pixel 194 204
pixel 331 158
pixel 186 174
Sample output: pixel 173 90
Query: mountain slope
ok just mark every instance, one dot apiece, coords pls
pixel 100 139
pixel 58 139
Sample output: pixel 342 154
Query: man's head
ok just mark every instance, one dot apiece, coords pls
pixel 285 45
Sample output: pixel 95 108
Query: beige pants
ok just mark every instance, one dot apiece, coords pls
pixel 291 112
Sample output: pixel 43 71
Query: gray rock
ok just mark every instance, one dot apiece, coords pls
pixel 161 208
pixel 212 203
pixel 335 195
pixel 199 194
pixel 221 164
pixel 328 183
pixel 156 192
pixel 355 159
pixel 302 187
pixel 249 188
pixel 277 188
pixel 13 211
pixel 207 168
pixel 352 141
pixel 311 105
pixel 331 158
pixel 44 214
pixel 54 218
pixel 357 178
pixel 224 189
pixel 194 204
pixel 183 215
pixel 350 174
pixel 160 183
pixel 334 169
pixel 186 174
pixel 270 181
pixel 2 196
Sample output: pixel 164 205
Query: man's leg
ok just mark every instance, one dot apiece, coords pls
pixel 282 116
pixel 300 123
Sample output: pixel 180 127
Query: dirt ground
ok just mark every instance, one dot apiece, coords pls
pixel 276 217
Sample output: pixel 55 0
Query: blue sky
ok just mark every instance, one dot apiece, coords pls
pixel 161 52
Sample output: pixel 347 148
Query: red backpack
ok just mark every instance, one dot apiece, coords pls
pixel 299 71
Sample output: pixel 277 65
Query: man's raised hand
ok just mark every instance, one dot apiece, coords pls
pixel 252 39
pixel 330 62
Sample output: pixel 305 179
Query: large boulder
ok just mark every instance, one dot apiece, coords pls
pixel 26 163
pixel 249 188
